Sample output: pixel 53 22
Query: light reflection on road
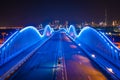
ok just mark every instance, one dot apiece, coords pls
pixel 82 66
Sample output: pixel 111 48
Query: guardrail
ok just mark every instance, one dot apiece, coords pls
pixel 108 68
pixel 115 51
pixel 109 52
pixel 3 47
pixel 7 41
pixel 21 61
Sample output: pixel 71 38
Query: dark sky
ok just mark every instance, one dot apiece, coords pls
pixel 29 12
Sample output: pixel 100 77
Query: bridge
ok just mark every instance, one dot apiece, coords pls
pixel 31 54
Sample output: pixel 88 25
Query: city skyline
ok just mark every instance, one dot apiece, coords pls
pixel 43 11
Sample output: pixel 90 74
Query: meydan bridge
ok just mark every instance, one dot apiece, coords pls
pixel 31 54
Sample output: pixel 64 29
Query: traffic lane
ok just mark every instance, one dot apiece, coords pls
pixel 40 66
pixel 78 65
pixel 83 69
pixel 35 70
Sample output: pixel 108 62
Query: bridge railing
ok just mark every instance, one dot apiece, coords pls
pixel 100 43
pixel 108 40
pixel 18 42
pixel 115 51
pixel 9 39
pixel 3 52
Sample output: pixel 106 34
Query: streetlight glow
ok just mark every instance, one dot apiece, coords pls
pixel 93 55
pixel 110 70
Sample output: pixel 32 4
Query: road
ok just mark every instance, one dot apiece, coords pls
pixel 75 65
pixel 78 65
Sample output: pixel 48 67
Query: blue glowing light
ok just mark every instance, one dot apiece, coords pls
pixel 98 42
pixel 18 42
pixel 22 40
pixel 30 27
pixel 9 38
pixel 28 36
pixel 72 31
pixel 47 31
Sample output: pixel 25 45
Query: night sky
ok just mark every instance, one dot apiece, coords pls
pixel 27 12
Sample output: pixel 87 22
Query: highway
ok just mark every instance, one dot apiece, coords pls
pixel 74 63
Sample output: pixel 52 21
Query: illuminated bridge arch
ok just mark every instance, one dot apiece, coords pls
pixel 48 30
pixel 99 43
pixel 21 41
pixel 72 32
